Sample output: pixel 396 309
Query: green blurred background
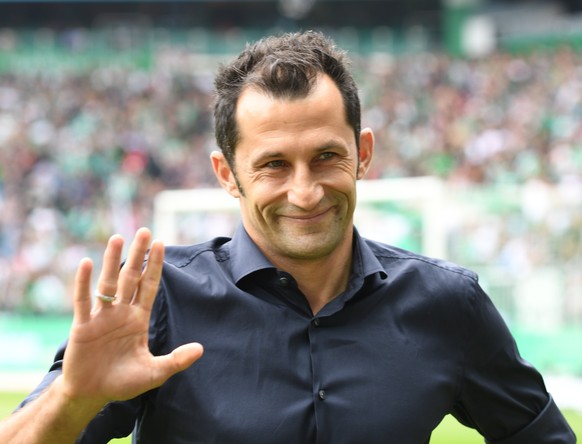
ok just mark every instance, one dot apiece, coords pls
pixel 476 106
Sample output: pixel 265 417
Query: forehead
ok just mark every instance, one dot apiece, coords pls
pixel 259 111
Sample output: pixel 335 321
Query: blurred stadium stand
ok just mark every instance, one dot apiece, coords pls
pixel 105 104
pixel 220 14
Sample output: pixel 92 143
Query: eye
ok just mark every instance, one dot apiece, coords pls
pixel 327 155
pixel 275 164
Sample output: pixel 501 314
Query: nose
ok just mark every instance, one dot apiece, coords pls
pixel 305 189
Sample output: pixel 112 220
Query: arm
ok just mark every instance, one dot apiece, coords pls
pixel 52 418
pixel 107 357
pixel 501 395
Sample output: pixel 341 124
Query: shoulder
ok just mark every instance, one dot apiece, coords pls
pixel 449 292
pixel 181 256
pixel 397 261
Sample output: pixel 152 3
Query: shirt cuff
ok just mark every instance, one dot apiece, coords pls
pixel 549 427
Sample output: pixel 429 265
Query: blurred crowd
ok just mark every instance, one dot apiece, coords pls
pixel 83 153
pixel 501 119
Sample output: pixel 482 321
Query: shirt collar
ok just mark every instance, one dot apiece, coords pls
pixel 246 258
pixel 365 263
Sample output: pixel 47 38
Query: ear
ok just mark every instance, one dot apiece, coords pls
pixel 224 174
pixel 366 151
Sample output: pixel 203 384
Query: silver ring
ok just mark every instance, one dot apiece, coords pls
pixel 104 297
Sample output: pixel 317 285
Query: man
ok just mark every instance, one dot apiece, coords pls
pixel 311 333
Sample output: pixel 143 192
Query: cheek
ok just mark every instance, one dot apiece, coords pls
pixel 263 198
pixel 344 183
pixel 265 188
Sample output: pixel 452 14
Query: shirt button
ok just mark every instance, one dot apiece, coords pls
pixel 322 395
pixel 283 281
pixel 316 322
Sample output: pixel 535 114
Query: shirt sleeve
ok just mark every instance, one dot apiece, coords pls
pixel 549 424
pixel 501 395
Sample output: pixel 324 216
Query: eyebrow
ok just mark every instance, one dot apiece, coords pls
pixel 332 143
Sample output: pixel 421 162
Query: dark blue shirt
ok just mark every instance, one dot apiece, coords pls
pixel 409 341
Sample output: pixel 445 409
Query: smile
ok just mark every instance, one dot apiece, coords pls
pixel 308 217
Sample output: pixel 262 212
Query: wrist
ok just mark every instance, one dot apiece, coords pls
pixel 55 417
pixel 78 409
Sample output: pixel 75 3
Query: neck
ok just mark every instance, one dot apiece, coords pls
pixel 321 280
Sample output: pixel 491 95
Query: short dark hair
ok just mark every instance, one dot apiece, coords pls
pixel 284 66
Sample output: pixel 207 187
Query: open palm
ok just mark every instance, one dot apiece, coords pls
pixel 107 357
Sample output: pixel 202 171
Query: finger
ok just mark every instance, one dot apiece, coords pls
pixel 180 359
pixel 150 278
pixel 107 284
pixel 82 292
pixel 131 272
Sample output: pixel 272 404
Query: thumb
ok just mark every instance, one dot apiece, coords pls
pixel 185 355
pixel 180 359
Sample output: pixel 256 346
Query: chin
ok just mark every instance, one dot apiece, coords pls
pixel 309 250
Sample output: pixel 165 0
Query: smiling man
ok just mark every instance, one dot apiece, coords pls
pixel 311 333
pixel 295 169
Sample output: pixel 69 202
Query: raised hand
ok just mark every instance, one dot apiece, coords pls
pixel 107 357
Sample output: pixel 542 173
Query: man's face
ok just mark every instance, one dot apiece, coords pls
pixel 297 166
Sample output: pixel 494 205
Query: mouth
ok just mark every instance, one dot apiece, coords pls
pixel 309 218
